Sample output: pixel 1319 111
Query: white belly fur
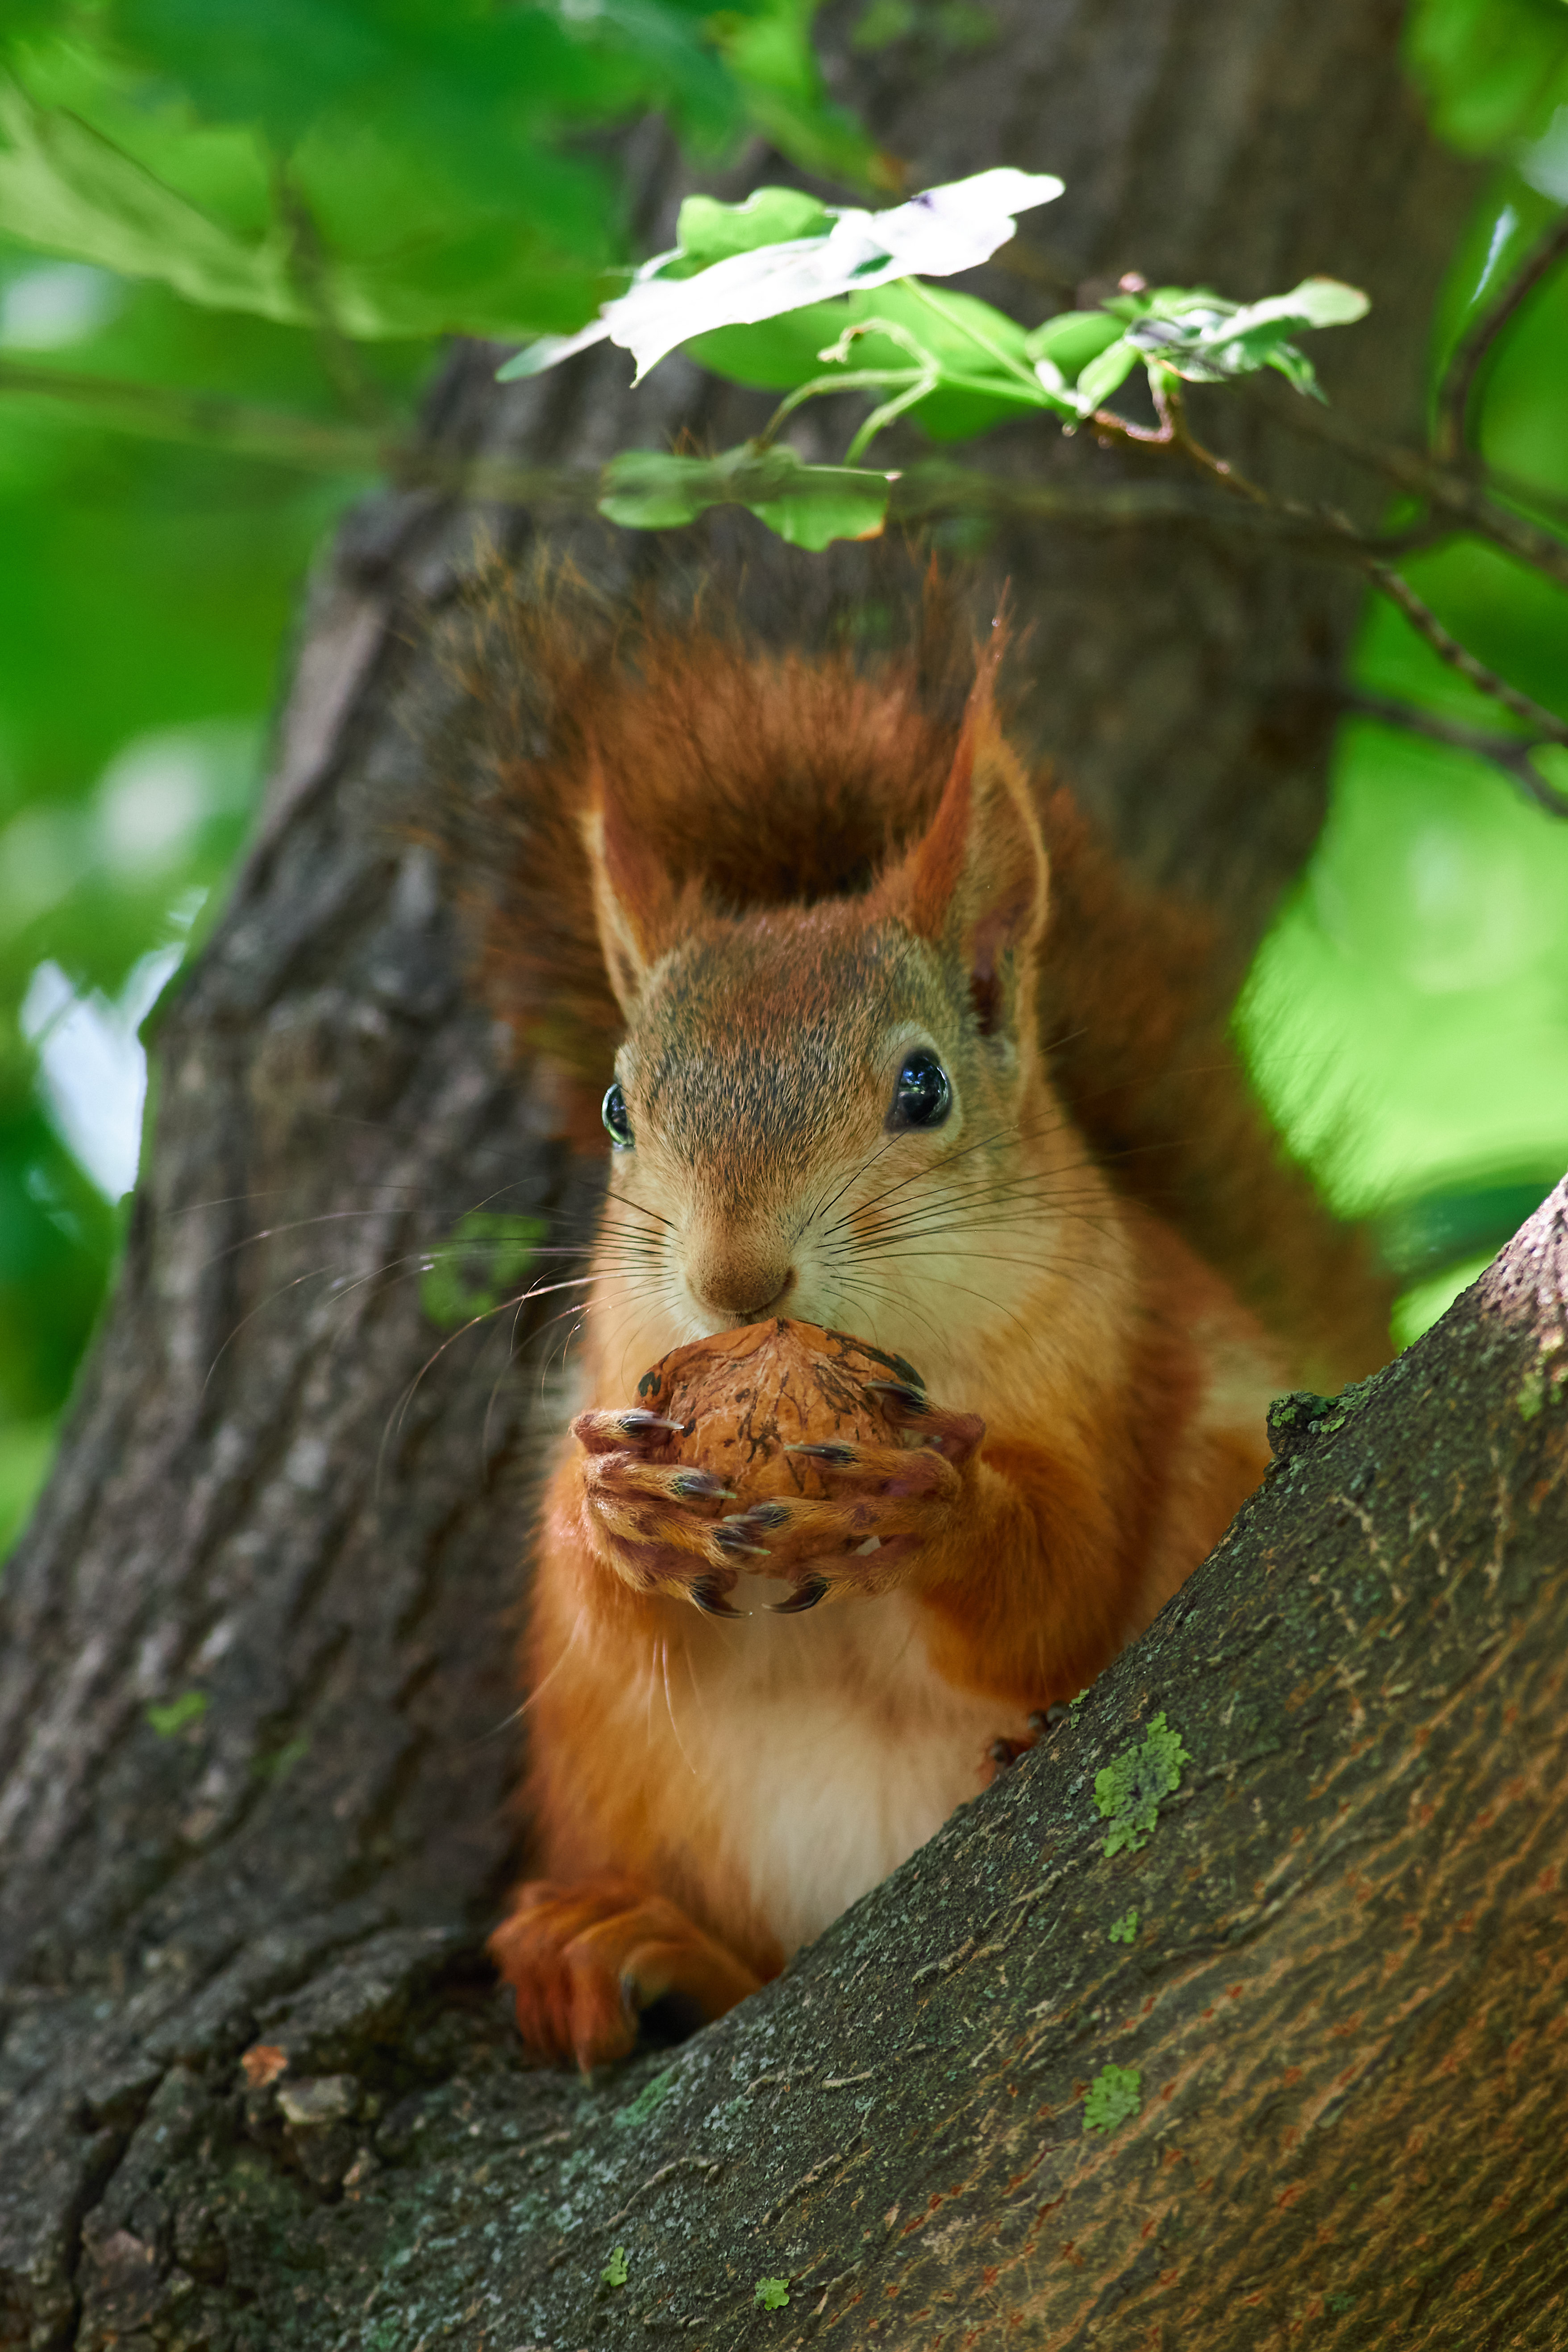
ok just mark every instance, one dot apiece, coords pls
pixel 834 1749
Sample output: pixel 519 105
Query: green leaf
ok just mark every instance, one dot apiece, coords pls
pixel 649 489
pixel 1115 2094
pixel 1125 1929
pixel 70 189
pixel 1316 302
pixel 1194 334
pixel 1070 342
pixel 807 504
pixel 772 2294
pixel 614 2271
pixel 852 507
pixel 974 389
pixel 1105 374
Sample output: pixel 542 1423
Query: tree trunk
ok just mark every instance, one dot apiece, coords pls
pixel 255 1707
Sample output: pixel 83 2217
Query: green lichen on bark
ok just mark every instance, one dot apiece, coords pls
pixel 1131 1788
pixel 1115 2094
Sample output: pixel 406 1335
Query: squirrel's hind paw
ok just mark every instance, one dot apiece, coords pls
pixel 585 1959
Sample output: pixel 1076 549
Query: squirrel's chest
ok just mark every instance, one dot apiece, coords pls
pixel 831 1750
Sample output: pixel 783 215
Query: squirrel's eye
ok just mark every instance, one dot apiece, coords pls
pixel 613 1112
pixel 922 1096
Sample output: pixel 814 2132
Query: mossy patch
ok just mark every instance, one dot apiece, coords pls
pixel 171 1719
pixel 1131 1787
pixel 1125 1929
pixel 477 1267
pixel 772 2294
pixel 614 2271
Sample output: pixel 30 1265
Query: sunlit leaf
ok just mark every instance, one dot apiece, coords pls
pixel 947 229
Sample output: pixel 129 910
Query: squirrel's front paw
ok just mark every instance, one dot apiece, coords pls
pixel 891 1504
pixel 659 1523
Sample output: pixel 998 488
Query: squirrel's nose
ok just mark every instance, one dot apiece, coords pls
pixel 742 1283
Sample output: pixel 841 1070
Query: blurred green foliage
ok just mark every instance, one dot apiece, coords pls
pixel 289 201
pixel 283 200
pixel 1408 1019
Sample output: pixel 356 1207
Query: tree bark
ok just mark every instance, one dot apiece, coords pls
pixel 286 1504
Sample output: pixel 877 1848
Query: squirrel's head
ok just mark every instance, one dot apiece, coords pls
pixel 817 1109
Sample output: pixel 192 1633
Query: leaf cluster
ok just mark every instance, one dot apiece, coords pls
pixel 785 293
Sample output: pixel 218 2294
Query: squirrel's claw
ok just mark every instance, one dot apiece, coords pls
pixel 954 1435
pixel 708 1594
pixel 809 1594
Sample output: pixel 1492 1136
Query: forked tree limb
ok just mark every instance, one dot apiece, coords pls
pixel 1343 1999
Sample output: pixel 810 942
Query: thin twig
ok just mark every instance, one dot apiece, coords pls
pixel 165 414
pixel 934 487
pixel 1512 753
pixel 1542 723
pixel 1172 410
pixel 1458 494
pixel 1450 438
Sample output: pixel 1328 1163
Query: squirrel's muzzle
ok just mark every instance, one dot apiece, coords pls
pixel 746 1283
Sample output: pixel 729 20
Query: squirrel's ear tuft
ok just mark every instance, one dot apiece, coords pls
pixel 634 898
pixel 976 880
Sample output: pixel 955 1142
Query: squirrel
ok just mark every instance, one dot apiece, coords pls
pixel 885 1040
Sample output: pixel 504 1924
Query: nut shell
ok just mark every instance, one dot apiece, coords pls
pixel 743 1397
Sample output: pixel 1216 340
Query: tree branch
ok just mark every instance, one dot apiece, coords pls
pixel 1456 495
pixel 1544 724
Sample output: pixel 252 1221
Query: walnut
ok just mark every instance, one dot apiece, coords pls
pixel 746 1396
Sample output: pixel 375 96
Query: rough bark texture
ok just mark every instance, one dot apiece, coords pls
pixel 1343 1998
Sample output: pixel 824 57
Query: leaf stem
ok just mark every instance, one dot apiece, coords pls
pixel 1003 359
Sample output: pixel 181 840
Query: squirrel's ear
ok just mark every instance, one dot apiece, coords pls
pixel 976 880
pixel 634 898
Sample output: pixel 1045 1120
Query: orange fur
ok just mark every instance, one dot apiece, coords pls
pixel 769 879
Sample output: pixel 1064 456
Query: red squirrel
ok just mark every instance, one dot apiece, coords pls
pixel 885 1042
